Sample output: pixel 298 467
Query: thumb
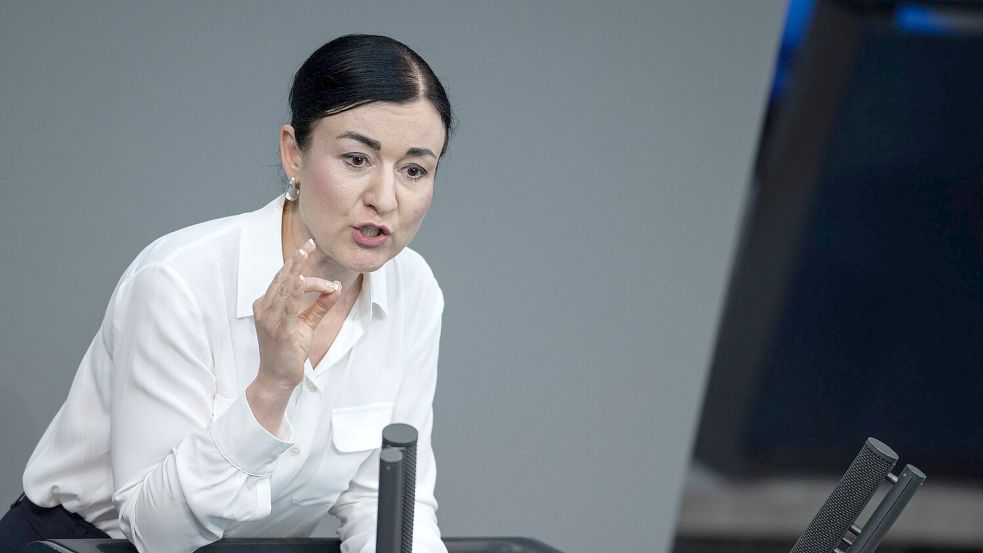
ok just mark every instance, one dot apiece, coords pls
pixel 325 300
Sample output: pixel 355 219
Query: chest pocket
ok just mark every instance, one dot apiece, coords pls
pixel 355 433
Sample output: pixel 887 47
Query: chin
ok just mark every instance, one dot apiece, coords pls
pixel 368 264
pixel 366 268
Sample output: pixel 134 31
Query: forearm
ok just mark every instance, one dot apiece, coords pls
pixel 156 513
pixel 216 476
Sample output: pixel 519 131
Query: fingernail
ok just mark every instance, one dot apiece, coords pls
pixel 302 278
pixel 310 242
pixel 337 286
pixel 301 252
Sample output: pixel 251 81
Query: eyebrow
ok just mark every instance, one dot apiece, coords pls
pixel 420 152
pixel 377 146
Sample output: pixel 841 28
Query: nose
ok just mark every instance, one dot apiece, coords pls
pixel 381 193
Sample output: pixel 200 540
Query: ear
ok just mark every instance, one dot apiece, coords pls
pixel 290 153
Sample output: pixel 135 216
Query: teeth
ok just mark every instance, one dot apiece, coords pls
pixel 370 231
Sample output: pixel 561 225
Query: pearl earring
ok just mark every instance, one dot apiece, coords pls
pixel 293 190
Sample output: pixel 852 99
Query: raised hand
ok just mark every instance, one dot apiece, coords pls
pixel 285 332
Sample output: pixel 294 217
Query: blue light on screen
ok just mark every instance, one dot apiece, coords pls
pixel 922 20
pixel 796 22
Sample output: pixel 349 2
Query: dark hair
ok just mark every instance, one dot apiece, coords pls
pixel 354 70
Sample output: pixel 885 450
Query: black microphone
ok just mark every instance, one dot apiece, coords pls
pixel 403 437
pixel 389 522
pixel 848 499
pixel 888 510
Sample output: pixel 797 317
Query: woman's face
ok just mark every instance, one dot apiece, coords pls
pixel 366 179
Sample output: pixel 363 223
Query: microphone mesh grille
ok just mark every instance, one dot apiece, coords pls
pixel 409 499
pixel 846 502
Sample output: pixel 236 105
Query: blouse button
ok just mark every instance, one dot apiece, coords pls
pixel 295 450
pixel 311 387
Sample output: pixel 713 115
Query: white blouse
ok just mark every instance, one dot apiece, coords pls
pixel 156 441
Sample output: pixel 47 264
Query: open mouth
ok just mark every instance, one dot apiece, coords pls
pixel 373 231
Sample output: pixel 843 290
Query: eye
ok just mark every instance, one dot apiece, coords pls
pixel 356 160
pixel 415 172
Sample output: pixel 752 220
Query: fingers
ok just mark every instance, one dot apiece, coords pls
pixel 320 285
pixel 329 294
pixel 281 304
pixel 286 277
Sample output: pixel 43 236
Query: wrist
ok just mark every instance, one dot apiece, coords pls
pixel 268 402
pixel 273 385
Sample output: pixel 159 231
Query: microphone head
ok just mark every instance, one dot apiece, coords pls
pixel 915 472
pixel 399 435
pixel 881 449
pixel 390 455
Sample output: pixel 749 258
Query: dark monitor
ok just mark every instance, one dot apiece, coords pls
pixel 855 306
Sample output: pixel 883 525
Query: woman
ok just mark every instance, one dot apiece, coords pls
pixel 245 367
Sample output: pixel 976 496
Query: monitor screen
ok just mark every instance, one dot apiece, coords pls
pixel 863 314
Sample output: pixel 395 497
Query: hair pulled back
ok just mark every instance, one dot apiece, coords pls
pixel 354 70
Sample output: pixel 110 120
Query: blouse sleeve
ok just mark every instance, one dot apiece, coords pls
pixel 180 479
pixel 356 508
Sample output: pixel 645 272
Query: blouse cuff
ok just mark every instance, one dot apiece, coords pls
pixel 244 442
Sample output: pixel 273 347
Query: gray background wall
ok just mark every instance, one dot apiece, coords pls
pixel 582 227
